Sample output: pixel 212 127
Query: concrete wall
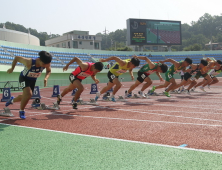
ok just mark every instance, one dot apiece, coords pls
pixel 18 37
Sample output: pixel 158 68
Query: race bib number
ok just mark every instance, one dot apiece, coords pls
pixel 121 71
pixel 22 84
pixel 72 77
pixel 143 76
pixel 82 74
pixel 33 75
pixel 169 76
pixel 113 76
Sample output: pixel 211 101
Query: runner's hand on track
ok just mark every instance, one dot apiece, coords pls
pixel 10 70
pixel 65 68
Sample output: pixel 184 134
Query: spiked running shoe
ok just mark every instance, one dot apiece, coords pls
pixel 22 114
pixel 59 99
pixel 128 95
pixel 113 99
pixel 167 94
pixel 9 101
pixel 74 105
pixel 153 89
pixel 202 88
pixel 97 96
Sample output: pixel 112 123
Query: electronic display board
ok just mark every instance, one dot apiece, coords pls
pixel 153 32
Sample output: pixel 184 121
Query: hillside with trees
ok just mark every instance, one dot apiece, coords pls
pixel 194 36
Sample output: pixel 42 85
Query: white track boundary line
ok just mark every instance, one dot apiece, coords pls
pixel 116 139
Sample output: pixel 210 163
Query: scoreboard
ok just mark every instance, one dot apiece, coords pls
pixel 153 32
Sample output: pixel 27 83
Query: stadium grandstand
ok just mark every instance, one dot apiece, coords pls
pixel 61 57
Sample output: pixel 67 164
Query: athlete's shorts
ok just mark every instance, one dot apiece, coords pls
pixel 187 76
pixel 182 77
pixel 111 76
pixel 72 78
pixel 168 76
pixel 25 82
pixel 197 76
pixel 141 76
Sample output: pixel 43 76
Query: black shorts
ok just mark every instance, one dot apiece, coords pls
pixel 141 76
pixel 187 76
pixel 72 78
pixel 24 82
pixel 182 77
pixel 111 76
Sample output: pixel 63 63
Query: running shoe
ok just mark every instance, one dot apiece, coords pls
pixel 142 95
pixel 22 114
pixel 202 88
pixel 129 95
pixel 208 86
pixel 188 91
pixel 153 89
pixel 113 99
pixel 74 105
pixel 9 101
pixel 167 94
pixel 97 96
pixel 59 99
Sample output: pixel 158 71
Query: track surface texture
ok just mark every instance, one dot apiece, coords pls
pixel 194 120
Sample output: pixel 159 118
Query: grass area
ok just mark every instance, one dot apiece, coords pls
pixel 27 148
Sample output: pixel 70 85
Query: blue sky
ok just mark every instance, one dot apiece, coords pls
pixel 60 16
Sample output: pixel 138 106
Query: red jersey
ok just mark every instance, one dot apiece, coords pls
pixel 78 73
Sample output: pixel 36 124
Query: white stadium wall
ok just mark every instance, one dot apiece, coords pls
pixel 18 37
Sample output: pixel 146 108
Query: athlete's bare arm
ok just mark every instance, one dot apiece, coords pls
pixel 176 64
pixel 48 72
pixel 83 65
pixel 131 74
pixel 151 64
pixel 117 59
pixel 160 77
pixel 94 79
pixel 26 61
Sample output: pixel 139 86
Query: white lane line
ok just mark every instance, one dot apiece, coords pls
pixel 116 139
pixel 137 120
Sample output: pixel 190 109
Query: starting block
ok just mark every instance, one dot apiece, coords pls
pixel 121 99
pixel 135 96
pixel 6 112
pixel 106 98
pixel 42 106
